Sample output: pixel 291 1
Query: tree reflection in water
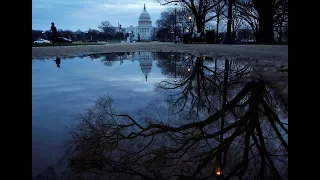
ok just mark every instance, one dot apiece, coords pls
pixel 219 121
pixel 106 58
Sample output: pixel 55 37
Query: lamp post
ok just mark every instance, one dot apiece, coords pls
pixel 119 32
pixel 175 68
pixel 175 24
pixel 174 56
pixel 218 171
pixel 86 36
pixel 43 35
pixel 229 23
pixel 190 18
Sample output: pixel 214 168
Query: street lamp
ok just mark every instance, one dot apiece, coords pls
pixel 87 33
pixel 218 171
pixel 190 23
pixel 174 56
pixel 218 167
pixel 43 35
pixel 175 24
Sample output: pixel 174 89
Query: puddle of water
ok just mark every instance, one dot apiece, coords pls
pixel 190 87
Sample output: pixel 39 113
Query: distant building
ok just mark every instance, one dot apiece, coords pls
pixel 144 27
pixel 145 60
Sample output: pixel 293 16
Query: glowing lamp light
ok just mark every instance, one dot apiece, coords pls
pixel 218 171
pixel 189 69
pixel 175 80
pixel 189 17
pixel 218 167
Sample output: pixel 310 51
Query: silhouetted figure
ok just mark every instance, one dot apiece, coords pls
pixel 127 37
pixel 58 62
pixel 138 37
pixel 54 34
pixel 131 36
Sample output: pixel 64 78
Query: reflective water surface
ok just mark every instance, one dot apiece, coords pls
pixel 149 115
pixel 60 93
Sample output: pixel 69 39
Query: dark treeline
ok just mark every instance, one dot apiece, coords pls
pixel 259 20
pixel 105 32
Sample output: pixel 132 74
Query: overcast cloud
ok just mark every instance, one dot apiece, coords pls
pixel 84 14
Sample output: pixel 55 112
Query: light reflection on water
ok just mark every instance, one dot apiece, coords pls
pixel 60 93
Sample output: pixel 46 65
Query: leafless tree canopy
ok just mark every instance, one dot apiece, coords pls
pixel 171 18
pixel 214 116
pixel 202 10
pixel 257 12
pixel 107 28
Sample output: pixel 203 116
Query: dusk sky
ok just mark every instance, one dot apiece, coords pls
pixel 85 14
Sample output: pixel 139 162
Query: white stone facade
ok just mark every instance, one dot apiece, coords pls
pixel 144 27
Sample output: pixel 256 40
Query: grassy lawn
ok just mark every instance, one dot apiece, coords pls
pixel 71 44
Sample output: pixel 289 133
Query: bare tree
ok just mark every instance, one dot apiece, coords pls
pixel 263 16
pixel 237 22
pixel 107 28
pixel 248 13
pixel 281 19
pixel 219 10
pixel 187 140
pixel 169 19
pixel 202 10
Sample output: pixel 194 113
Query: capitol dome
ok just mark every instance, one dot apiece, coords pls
pixel 144 18
pixel 145 61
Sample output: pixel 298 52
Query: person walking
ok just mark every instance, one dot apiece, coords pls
pixel 54 34
pixel 58 62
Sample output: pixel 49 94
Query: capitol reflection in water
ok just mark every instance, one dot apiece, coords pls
pixel 145 59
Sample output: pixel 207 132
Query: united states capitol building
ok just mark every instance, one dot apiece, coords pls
pixel 144 27
pixel 145 60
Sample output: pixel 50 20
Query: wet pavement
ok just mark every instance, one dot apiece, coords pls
pixel 253 52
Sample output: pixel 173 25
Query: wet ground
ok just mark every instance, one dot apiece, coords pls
pixel 274 53
pixel 65 87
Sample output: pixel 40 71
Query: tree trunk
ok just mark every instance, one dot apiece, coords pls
pixel 265 11
pixel 215 68
pixel 280 32
pixel 233 30
pixel 229 35
pixel 199 24
pixel 224 102
pixel 217 30
pixel 225 90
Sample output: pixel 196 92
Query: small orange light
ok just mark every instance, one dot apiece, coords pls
pixel 218 171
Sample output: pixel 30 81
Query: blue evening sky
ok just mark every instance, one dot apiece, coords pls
pixel 85 14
